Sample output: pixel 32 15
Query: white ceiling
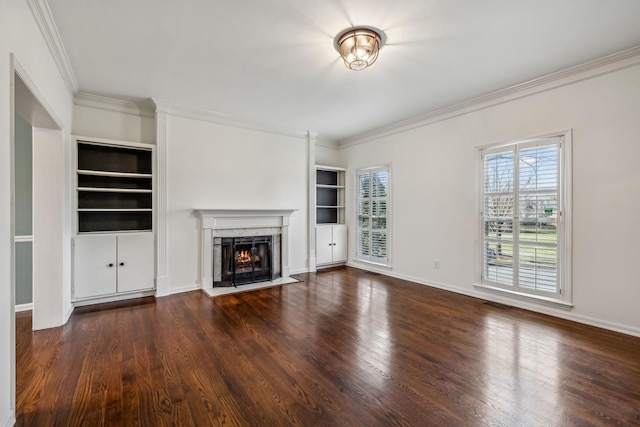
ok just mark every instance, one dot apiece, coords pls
pixel 273 62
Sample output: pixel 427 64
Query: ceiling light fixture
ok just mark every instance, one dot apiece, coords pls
pixel 359 46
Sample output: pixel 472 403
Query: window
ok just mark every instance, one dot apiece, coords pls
pixel 524 216
pixel 372 211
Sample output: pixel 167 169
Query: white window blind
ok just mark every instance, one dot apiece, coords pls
pixel 522 217
pixel 372 210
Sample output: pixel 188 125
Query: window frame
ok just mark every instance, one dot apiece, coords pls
pixel 563 298
pixel 368 259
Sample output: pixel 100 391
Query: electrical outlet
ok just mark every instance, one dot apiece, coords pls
pixel 436 265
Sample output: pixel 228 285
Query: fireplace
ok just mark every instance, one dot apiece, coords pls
pixel 245 259
pixel 247 230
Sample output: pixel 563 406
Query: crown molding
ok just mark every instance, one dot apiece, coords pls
pixel 143 108
pixel 607 64
pixel 312 137
pixel 167 107
pixel 42 15
pixel 327 144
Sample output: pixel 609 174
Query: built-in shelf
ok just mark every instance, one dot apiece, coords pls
pixel 115 210
pixel 115 174
pixel 114 190
pixel 330 195
pixel 114 187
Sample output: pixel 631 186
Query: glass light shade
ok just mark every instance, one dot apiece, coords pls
pixel 358 47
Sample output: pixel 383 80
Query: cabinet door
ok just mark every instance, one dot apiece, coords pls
pixel 324 245
pixel 94 266
pixel 339 243
pixel 135 262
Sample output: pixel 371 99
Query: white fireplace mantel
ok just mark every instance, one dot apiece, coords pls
pixel 216 221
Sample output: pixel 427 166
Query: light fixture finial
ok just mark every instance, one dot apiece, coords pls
pixel 359 46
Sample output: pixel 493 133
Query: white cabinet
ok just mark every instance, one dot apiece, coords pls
pixel 135 262
pixel 109 265
pixel 331 244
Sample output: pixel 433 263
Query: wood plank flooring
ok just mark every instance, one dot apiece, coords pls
pixel 342 348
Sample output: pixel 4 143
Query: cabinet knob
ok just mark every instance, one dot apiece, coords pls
pixel 121 264
pixel 110 264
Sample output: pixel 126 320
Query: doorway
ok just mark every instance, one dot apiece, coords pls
pixel 38 205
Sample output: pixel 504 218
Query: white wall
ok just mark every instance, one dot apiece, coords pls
pixel 48 248
pixel 19 35
pixel 110 124
pixel 435 180
pixel 23 183
pixel 213 166
pixel 328 156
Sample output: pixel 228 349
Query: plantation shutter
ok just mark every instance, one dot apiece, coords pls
pixel 363 212
pixel 537 215
pixel 372 212
pixel 521 193
pixel 498 216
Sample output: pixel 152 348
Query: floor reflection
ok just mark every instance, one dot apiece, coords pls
pixel 373 332
pixel 521 370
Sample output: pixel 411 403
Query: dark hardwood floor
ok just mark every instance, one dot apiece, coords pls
pixel 342 348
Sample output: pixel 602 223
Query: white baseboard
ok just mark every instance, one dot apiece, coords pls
pixel 24 307
pixel 542 309
pixel 162 286
pixel 8 420
pixel 67 315
pixel 181 289
pixel 113 298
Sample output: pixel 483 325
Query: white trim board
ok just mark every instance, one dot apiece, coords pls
pixel 142 108
pixel 23 307
pixel 181 290
pixel 178 110
pixel 44 20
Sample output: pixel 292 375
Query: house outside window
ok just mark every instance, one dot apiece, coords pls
pixel 525 217
pixel 372 215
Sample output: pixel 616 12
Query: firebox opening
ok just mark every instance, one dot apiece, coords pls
pixel 247 259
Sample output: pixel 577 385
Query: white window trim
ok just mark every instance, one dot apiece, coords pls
pixel 563 300
pixel 376 263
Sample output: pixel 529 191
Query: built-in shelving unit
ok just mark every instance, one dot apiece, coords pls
pixel 113 249
pixel 114 188
pixel 331 230
pixel 330 195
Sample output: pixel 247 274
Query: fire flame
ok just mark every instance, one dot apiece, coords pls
pixel 244 257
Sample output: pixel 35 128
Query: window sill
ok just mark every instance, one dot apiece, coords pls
pixel 551 302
